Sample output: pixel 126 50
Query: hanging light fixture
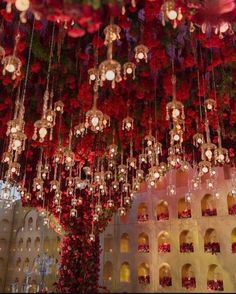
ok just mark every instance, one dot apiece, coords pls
pixel 95 120
pixel 170 12
pixel 12 64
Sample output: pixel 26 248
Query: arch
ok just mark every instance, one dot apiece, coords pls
pixel 26 265
pixel 165 279
pixel 214 278
pixel 30 224
pixel 124 243
pixel 20 244
pixel 186 242
pixel 125 272
pixel 142 213
pixel 163 242
pixel 18 264
pixel 211 242
pixel 107 271
pixel 37 243
pixel 108 243
pixel 5 225
pixel 184 208
pixel 46 244
pixel 144 273
pixel 231 201
pixel 162 210
pixel 143 243
pixel 188 277
pixel 3 244
pixel 28 244
pixel 38 223
pixel 233 240
pixel 208 205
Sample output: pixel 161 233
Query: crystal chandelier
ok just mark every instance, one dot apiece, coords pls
pixel 95 120
pixel 11 63
pixel 110 69
pixel 170 12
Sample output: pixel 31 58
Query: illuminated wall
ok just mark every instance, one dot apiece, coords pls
pixel 167 245
pixel 22 237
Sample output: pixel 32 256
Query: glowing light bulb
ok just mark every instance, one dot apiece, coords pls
pixel 221 157
pixel 16 144
pixel 13 130
pixel 128 125
pixel 224 27
pixel 22 5
pixel 156 175
pixel 92 77
pixel 10 68
pixel 95 121
pixel 129 70
pixel 209 106
pixel 208 154
pixel 68 159
pixel 205 169
pixel 176 137
pixel 42 132
pixel 175 113
pixel 199 140
pixel 110 75
pixel 172 14
pixel 13 169
pixel 140 55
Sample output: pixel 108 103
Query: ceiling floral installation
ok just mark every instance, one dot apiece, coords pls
pixel 98 97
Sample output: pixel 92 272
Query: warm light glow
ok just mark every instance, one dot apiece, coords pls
pixel 22 5
pixel 110 75
pixel 172 14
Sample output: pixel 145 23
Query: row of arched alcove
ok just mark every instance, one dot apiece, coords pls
pixel 208 208
pixel 214 279
pixel 35 244
pixel 186 242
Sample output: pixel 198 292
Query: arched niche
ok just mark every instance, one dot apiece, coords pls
pixel 184 208
pixel 208 205
pixel 188 277
pixel 3 245
pixel 165 279
pixel 162 211
pixel 37 243
pixel 163 242
pixel 26 265
pixel 20 244
pixel 233 240
pixel 125 272
pixel 211 242
pixel 38 222
pixel 124 243
pixel 108 243
pixel 186 242
pixel 30 224
pixel 28 244
pixel 142 213
pixel 143 243
pixel 5 225
pixel 46 244
pixel 231 201
pixel 214 278
pixel 144 273
pixel 107 271
pixel 18 264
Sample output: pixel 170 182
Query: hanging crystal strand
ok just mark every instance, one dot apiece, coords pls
pixel 41 126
